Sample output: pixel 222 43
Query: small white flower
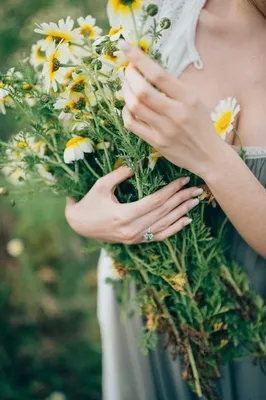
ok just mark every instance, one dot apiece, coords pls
pixel 52 71
pixel 224 116
pixel 62 32
pixel 76 147
pixel 4 99
pixel 15 173
pixel 80 84
pixel 115 33
pixel 44 173
pixel 15 247
pixel 38 57
pixel 88 28
pixel 119 11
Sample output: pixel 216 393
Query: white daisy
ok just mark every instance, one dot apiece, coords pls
pixel 38 57
pixel 52 70
pixel 76 147
pixel 224 116
pixel 62 32
pixel 88 28
pixel 115 33
pixel 80 84
pixel 119 11
pixel 15 173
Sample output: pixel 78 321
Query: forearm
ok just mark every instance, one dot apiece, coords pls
pixel 240 194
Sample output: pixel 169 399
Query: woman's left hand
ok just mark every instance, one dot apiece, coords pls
pixel 173 120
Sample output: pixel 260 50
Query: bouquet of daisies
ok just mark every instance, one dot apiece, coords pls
pixel 68 97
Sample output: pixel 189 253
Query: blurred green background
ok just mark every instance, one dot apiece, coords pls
pixel 49 338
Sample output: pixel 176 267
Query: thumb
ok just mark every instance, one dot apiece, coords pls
pixel 114 178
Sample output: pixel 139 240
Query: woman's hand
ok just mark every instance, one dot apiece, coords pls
pixel 99 215
pixel 174 121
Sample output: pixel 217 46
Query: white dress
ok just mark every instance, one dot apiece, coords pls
pixel 127 374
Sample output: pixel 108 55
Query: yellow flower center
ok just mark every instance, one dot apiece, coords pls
pixel 110 57
pixel 59 37
pixel 22 145
pixel 87 30
pixel 144 45
pixel 79 85
pixel 54 65
pixel 76 141
pixel 27 86
pixel 124 6
pixel 69 73
pixel 224 122
pixel 114 31
pixel 40 55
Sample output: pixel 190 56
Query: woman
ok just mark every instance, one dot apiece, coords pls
pixel 217 49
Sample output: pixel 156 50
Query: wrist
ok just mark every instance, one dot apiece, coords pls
pixel 217 163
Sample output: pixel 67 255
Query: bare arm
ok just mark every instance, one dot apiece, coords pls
pixel 240 195
pixel 178 124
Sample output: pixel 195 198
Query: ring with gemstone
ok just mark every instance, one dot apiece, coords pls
pixel 148 236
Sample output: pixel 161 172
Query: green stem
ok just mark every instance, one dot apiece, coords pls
pixel 176 333
pixel 91 169
pixel 135 25
pixel 194 371
pixel 139 188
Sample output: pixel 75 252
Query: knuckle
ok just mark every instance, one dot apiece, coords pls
pixel 157 199
pixel 164 225
pixel 142 93
pixel 127 234
pixel 134 105
pixel 128 120
pixel 193 100
pixel 183 115
pixel 157 75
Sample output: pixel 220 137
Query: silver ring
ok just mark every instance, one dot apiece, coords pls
pixel 148 236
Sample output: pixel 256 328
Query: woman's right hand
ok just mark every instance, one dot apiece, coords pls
pixel 100 216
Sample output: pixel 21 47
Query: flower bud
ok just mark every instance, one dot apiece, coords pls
pixel 152 10
pixel 96 64
pixel 45 98
pixel 165 23
pixel 78 116
pixel 67 109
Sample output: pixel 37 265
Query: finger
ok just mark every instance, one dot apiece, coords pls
pixel 144 92
pixel 154 72
pixel 173 229
pixel 157 199
pixel 140 110
pixel 180 203
pixel 138 127
pixel 114 178
pixel 174 216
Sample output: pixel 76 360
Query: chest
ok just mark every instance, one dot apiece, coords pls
pixel 233 69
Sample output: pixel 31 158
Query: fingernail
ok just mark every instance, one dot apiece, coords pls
pixel 197 192
pixel 186 180
pixel 195 203
pixel 188 222
pixel 125 46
